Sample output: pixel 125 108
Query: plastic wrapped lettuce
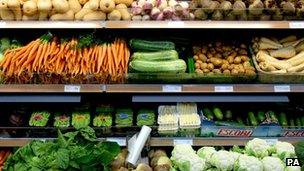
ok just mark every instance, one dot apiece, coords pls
pixel 61 120
pixel 103 116
pixel 40 118
pixel 145 117
pixel 124 117
pixel 81 119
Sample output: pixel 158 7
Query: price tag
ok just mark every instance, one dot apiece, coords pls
pixel 172 88
pixel 103 24
pixel 296 24
pixel 72 88
pixel 176 24
pixel 119 141
pixel 282 88
pixel 2 24
pixel 182 141
pixel 223 88
pixel 271 141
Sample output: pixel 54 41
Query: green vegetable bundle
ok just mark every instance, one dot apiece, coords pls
pixel 145 117
pixel 80 119
pixel 79 150
pixel 124 117
pixel 39 118
pixel 61 120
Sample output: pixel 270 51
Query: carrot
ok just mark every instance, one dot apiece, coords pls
pixel 2 154
pixel 31 55
pixel 113 48
pixel 5 157
pixel 110 58
pixel 40 49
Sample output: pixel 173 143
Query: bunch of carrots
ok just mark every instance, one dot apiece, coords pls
pixel 48 60
pixel 4 154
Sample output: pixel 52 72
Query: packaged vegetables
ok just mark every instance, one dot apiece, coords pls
pixel 39 118
pixel 61 120
pixel 103 116
pixel 124 117
pixel 81 119
pixel 145 117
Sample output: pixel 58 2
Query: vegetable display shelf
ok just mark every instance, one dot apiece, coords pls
pixel 153 24
pixel 161 141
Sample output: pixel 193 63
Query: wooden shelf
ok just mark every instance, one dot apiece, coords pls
pixel 153 24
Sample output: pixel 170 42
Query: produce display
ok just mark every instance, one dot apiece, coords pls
pixel 39 118
pixel 280 56
pixel 221 58
pixel 86 10
pixel 79 150
pixel 61 120
pixel 73 60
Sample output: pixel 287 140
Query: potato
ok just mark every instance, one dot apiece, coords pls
pixel 61 6
pixel 217 71
pixel 224 66
pixel 209 55
pixel 195 57
pixel 234 72
pixel 202 57
pixel 5 12
pixel 197 65
pixel 224 61
pixel 126 2
pixel 75 5
pixel 44 8
pixel 204 65
pixel 30 8
pixel 210 66
pixel 244 58
pixel 204 49
pixel 206 70
pixel 243 52
pixel 15 6
pixel 123 9
pixel 218 55
pixel 216 61
pixel 199 71
pixel 63 17
pixel 199 61
pixel 237 60
pixel 108 6
pixel 84 11
pixel 246 64
pixel 226 71
pixel 94 16
pixel 249 72
pixel 230 59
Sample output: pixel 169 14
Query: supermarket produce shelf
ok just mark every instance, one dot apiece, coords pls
pixel 152 88
pixel 153 24
pixel 164 141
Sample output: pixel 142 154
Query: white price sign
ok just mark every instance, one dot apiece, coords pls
pixel 271 141
pixel 119 141
pixel 223 88
pixel 2 24
pixel 172 88
pixel 282 88
pixel 296 24
pixel 72 88
pixel 176 24
pixel 182 141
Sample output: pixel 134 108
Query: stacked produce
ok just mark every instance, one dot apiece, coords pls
pixel 280 56
pixel 79 150
pixel 220 58
pixel 39 119
pixel 155 57
pixel 161 10
pixel 247 10
pixel 65 10
pixel 61 120
pixel 83 60
pixel 167 120
pixel 257 155
pixel 4 154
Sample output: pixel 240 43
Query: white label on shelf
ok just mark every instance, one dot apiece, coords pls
pixel 2 24
pixel 271 141
pixel 119 141
pixel 176 24
pixel 72 88
pixel 282 88
pixel 182 141
pixel 172 88
pixel 296 24
pixel 223 88
pixel 103 24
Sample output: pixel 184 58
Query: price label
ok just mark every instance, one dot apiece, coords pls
pixel 176 24
pixel 271 141
pixel 119 141
pixel 103 24
pixel 282 88
pixel 2 24
pixel 172 88
pixel 72 88
pixel 223 88
pixel 182 141
pixel 296 24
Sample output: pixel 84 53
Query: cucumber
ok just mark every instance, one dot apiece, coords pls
pixel 151 46
pixel 208 113
pixel 298 122
pixel 218 113
pixel 283 119
pixel 228 114
pixel 240 120
pixel 174 66
pixel 191 65
pixel 252 119
pixel 261 116
pixel 273 115
pixel 228 123
pixel 156 56
pixel 292 123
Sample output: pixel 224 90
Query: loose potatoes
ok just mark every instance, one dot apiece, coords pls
pixel 114 15
pixel 95 15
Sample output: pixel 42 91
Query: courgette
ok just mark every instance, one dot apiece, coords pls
pixel 298 122
pixel 174 66
pixel 252 119
pixel 191 65
pixel 228 114
pixel 156 56
pixel 208 113
pixel 228 123
pixel 261 116
pixel 151 46
pixel 283 119
pixel 218 113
